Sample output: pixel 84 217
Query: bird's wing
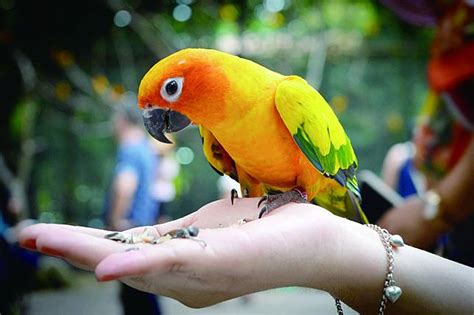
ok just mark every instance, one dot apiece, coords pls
pixel 317 131
pixel 216 155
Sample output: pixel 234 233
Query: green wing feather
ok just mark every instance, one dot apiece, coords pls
pixel 317 131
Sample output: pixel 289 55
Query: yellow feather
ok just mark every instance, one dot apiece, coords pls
pixel 299 104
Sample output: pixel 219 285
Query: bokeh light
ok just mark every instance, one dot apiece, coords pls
pixel 394 122
pixel 274 5
pixel 229 13
pixel 182 13
pixel 122 18
pixel 62 90
pixel 184 155
pixel 339 104
pixel 100 83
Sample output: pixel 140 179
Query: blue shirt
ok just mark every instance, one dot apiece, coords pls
pixel 406 186
pixel 140 159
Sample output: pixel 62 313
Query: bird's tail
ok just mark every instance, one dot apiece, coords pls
pixel 349 209
pixel 353 206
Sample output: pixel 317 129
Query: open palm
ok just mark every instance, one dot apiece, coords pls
pixel 260 254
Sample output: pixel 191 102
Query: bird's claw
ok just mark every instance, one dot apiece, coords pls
pixel 262 212
pixel 233 195
pixel 264 198
pixel 272 202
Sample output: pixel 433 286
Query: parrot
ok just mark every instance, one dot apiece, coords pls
pixel 274 134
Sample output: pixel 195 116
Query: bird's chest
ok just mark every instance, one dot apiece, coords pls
pixel 264 149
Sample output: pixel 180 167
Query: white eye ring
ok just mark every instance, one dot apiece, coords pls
pixel 171 89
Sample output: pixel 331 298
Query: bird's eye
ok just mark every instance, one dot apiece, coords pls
pixel 171 89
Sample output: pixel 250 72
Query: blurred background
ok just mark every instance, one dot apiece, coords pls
pixel 64 66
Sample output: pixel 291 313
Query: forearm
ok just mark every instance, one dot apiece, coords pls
pixel 349 261
pixel 433 284
pixel 430 284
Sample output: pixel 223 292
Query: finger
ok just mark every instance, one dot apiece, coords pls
pixel 135 263
pixel 157 259
pixel 86 230
pixel 82 250
pixel 98 232
pixel 175 224
pixel 29 234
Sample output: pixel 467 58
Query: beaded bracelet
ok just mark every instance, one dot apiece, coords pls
pixel 391 292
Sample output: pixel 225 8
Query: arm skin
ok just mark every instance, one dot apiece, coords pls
pixel 456 191
pixel 123 188
pixel 296 245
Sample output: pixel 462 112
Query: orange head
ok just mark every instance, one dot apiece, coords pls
pixel 187 86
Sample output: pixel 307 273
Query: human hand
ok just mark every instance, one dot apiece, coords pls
pixel 408 221
pixel 294 245
pixel 290 246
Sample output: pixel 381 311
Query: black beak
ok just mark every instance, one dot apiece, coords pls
pixel 158 121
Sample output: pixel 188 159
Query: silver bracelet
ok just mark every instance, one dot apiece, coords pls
pixel 391 292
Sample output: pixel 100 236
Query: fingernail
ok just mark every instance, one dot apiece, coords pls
pixel 50 251
pixel 29 244
pixel 106 278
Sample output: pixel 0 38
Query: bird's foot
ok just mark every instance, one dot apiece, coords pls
pixel 272 202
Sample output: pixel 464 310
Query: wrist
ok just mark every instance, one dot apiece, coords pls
pixel 355 266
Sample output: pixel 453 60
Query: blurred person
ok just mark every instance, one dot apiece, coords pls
pixel 437 176
pixel 399 172
pixel 130 202
pixel 164 189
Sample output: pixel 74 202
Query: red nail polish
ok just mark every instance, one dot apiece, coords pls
pixel 50 251
pixel 29 244
pixel 106 278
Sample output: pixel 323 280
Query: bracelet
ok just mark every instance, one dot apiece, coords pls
pixel 391 292
pixel 433 212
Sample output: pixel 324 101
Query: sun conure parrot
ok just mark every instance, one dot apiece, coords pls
pixel 274 134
